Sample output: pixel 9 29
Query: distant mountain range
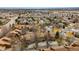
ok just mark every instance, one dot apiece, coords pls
pixel 40 8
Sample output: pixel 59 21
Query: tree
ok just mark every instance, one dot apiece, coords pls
pixel 17 21
pixel 1 23
pixel 57 35
pixel 47 38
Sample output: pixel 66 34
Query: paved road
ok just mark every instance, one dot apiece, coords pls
pixel 42 45
pixel 12 21
pixel 7 26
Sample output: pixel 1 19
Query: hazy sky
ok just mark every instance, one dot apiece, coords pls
pixel 39 3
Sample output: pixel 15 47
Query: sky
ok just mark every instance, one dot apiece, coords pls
pixel 39 3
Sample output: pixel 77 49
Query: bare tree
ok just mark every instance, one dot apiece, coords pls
pixel 47 38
